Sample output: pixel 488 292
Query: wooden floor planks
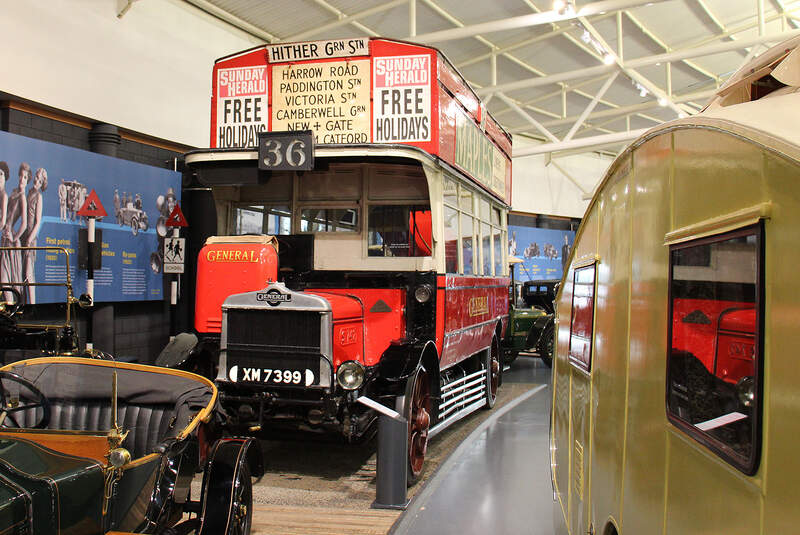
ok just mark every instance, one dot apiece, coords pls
pixel 288 520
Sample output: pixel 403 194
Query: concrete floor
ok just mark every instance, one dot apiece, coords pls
pixel 498 480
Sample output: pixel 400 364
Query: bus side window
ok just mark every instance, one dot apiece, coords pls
pixel 450 240
pixel 713 364
pixel 582 319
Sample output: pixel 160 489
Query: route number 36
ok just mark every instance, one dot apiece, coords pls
pixel 286 151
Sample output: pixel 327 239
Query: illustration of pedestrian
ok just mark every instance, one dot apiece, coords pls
pixel 564 252
pixel 170 249
pixel 177 254
pixel 29 237
pixel 62 200
pixel 11 263
pixel 117 207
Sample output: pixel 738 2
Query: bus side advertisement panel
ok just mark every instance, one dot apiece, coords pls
pixel 405 103
pixel 473 306
pixel 239 99
pixel 447 125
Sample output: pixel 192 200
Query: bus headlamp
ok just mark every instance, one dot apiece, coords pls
pixel 350 375
pixel 423 293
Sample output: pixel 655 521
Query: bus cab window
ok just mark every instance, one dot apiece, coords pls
pixel 396 230
pixel 329 220
pixel 259 219
pixel 713 370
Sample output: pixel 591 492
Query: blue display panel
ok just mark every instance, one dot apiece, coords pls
pixel 544 252
pixel 56 181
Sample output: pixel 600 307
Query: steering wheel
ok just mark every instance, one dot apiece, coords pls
pixel 28 397
pixel 9 309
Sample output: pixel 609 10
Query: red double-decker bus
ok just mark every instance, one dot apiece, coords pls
pixel 361 192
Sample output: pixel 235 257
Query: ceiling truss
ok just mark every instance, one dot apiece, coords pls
pixel 601 89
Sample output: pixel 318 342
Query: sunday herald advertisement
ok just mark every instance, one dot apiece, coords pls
pixel 402 99
pixel 242 106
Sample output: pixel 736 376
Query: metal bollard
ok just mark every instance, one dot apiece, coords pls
pixel 390 492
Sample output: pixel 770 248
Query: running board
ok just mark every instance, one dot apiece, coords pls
pixel 460 398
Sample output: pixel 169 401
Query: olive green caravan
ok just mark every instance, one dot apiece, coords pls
pixel 675 377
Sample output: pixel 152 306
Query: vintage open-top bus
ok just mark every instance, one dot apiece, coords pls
pixel 362 246
pixel 674 384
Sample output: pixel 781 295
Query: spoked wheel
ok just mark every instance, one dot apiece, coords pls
pixel 545 347
pixel 494 371
pixel 241 513
pixel 417 411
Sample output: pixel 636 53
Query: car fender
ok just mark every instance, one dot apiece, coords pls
pixel 186 352
pixel 228 456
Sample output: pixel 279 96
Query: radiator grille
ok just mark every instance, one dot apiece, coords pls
pixel 274 329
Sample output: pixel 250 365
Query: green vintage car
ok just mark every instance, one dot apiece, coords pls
pixel 531 326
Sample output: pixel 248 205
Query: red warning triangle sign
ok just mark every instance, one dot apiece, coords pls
pixel 176 218
pixel 92 207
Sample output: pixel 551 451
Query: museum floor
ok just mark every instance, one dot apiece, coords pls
pixel 498 480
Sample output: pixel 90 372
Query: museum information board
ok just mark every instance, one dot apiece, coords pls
pixel 46 185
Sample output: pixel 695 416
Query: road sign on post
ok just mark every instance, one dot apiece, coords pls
pixel 176 218
pixel 174 254
pixel 92 207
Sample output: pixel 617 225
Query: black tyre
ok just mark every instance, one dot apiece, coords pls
pixel 241 510
pixel 494 373
pixel 546 344
pixel 135 225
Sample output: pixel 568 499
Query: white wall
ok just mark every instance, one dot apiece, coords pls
pixel 544 189
pixel 149 71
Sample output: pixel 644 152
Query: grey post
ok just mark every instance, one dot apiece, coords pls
pixel 390 492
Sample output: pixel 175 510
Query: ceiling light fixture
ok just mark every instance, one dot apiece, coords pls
pixel 564 7
pixel 608 59
pixel 662 101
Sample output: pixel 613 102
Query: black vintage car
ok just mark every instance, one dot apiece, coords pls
pixel 92 446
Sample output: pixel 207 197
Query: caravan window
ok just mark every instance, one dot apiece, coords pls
pixel 582 320
pixel 713 372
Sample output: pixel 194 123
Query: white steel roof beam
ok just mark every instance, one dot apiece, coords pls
pixel 676 55
pixel 412 17
pixel 233 20
pixel 654 89
pixel 792 19
pixel 657 40
pixel 591 106
pixel 586 143
pixel 344 19
pixel 626 110
pixel 525 115
pixel 555 33
pixel 534 19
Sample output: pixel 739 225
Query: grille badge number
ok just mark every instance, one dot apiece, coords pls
pixel 274 376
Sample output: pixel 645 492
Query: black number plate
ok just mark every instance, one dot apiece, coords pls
pixel 298 372
pixel 286 151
